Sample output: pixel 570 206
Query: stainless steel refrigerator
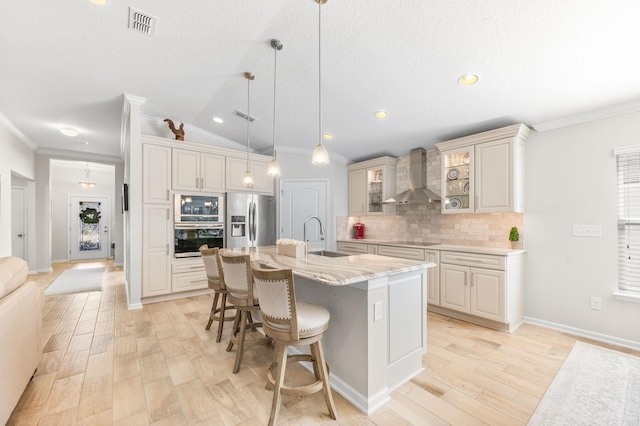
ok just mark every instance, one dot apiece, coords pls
pixel 250 220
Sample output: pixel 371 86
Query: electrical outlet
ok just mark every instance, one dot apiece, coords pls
pixel 587 231
pixel 596 303
pixel 377 311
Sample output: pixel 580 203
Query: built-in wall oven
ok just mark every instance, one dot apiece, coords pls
pixel 198 220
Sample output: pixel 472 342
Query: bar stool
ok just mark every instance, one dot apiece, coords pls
pixel 215 276
pixel 239 283
pixel 289 322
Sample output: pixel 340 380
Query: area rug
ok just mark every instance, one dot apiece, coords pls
pixel 76 281
pixel 595 386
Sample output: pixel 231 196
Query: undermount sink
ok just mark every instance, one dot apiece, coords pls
pixel 327 253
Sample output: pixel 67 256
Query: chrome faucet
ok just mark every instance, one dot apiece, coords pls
pixel 304 230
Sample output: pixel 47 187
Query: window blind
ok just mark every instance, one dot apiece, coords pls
pixel 628 170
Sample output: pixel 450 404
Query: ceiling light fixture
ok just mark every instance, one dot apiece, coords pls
pixel 468 79
pixel 68 131
pixel 328 136
pixel 320 154
pixel 218 120
pixel 273 169
pixel 87 183
pixel 248 180
pixel 99 2
pixel 381 114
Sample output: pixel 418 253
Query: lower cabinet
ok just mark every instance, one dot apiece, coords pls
pixel 482 287
pixel 156 264
pixel 433 276
pixel 188 275
pixel 354 248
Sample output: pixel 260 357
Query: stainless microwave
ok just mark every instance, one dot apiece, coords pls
pixel 198 209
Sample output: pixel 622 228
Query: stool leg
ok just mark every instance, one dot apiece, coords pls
pixel 234 331
pixel 223 308
pixel 318 353
pixel 243 331
pixel 213 310
pixel 280 357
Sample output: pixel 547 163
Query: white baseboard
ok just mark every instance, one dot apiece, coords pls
pixel 49 269
pixel 605 338
pixel 118 263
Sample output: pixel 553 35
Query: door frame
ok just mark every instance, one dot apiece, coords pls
pixel 71 220
pixel 330 238
pixel 25 223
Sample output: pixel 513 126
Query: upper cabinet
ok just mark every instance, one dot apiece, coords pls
pixel 370 183
pixel 484 173
pixel 197 171
pixel 156 169
pixel 236 167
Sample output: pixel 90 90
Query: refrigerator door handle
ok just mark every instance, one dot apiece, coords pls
pixel 251 236
pixel 253 222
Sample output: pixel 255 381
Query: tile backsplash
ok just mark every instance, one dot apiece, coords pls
pixel 425 223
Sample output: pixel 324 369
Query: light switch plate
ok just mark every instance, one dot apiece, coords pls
pixel 377 311
pixel 587 231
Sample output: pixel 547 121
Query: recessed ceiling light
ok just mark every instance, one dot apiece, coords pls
pixel 100 2
pixel 468 79
pixel 68 131
pixel 218 120
pixel 327 136
pixel 381 114
pixel 81 142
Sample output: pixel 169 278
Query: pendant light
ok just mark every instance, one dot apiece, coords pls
pixel 87 183
pixel 273 169
pixel 248 180
pixel 320 154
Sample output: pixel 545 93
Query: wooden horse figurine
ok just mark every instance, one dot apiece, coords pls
pixel 179 132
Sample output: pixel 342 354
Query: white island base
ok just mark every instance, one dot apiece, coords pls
pixel 377 333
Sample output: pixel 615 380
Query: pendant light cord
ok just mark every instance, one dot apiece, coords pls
pixel 319 72
pixel 275 68
pixel 248 117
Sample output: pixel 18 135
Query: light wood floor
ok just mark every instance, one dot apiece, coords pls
pixel 103 364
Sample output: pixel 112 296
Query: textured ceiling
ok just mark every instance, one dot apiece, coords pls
pixel 68 63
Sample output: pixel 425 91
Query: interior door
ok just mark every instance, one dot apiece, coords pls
pixel 18 222
pixel 299 200
pixel 89 228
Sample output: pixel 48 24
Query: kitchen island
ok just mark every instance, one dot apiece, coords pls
pixel 378 329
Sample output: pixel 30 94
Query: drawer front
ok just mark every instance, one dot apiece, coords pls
pixel 473 259
pixel 403 252
pixel 184 267
pixel 189 281
pixel 352 248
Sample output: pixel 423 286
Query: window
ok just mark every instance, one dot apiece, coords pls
pixel 628 172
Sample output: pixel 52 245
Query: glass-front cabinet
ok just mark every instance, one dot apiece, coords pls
pixel 370 183
pixel 458 189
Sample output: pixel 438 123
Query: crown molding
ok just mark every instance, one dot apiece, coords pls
pixel 598 114
pixel 13 129
pixel 77 155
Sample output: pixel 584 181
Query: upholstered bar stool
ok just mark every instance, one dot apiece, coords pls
pixel 215 276
pixel 289 322
pixel 239 283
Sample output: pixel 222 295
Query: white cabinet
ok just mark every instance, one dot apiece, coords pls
pixel 433 276
pixel 156 174
pixel 188 274
pixel 484 173
pixel 481 287
pixel 370 183
pixel 197 171
pixel 353 248
pixel 156 263
pixel 235 169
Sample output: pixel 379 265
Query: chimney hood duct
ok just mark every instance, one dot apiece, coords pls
pixel 417 192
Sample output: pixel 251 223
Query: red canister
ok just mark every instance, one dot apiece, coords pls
pixel 358 230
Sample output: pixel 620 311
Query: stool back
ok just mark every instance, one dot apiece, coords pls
pixel 276 291
pixel 213 267
pixel 238 278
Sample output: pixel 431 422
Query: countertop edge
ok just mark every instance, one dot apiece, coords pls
pixel 441 247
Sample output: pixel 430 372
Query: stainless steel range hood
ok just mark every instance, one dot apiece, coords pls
pixel 417 192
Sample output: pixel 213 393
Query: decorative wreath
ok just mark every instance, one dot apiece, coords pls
pixel 90 215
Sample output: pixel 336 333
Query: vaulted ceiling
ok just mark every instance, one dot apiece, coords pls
pixel 68 63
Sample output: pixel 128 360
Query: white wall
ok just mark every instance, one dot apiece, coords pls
pixel 571 179
pixel 64 183
pixel 15 158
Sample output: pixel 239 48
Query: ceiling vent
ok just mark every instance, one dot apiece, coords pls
pixel 142 22
pixel 244 115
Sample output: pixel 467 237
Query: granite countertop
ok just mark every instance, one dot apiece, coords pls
pixel 441 247
pixel 334 271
